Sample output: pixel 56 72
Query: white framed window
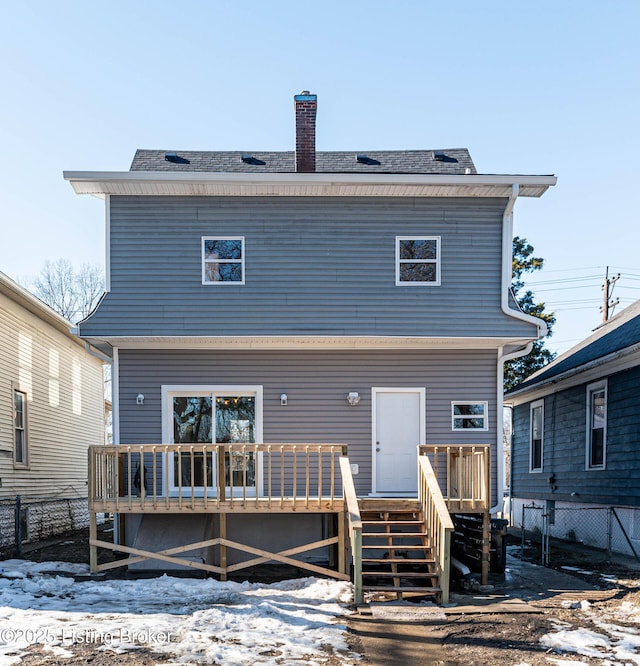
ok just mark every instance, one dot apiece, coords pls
pixel 469 416
pixel 417 260
pixel 20 436
pixel 536 436
pixel 222 260
pixel 212 414
pixel 596 445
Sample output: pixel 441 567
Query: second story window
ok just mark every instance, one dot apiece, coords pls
pixel 222 260
pixel 417 260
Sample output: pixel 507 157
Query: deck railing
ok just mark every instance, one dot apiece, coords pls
pixel 463 473
pixel 438 521
pixel 171 478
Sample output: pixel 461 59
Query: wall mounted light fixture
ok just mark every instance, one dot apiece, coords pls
pixel 139 399
pixel 284 399
pixel 353 398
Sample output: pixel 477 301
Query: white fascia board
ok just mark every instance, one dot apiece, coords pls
pixel 299 342
pixel 101 183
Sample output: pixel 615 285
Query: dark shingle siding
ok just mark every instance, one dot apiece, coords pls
pixel 456 162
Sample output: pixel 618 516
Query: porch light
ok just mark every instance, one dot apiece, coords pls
pixel 139 399
pixel 353 398
pixel 284 399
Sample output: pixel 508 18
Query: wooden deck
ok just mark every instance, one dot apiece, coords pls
pixel 227 480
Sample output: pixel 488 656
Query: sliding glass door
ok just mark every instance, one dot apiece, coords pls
pixel 226 415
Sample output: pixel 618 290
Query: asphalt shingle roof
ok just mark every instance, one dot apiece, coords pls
pixel 453 162
pixel 620 332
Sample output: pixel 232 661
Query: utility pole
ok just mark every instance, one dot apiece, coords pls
pixel 608 304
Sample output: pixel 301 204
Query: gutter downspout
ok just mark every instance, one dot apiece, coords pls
pixel 507 269
pixel 507 272
pixel 502 358
pixel 96 354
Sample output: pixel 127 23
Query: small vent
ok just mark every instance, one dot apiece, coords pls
pixel 365 159
pixel 250 159
pixel 439 156
pixel 174 158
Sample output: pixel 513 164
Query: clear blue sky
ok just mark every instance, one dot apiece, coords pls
pixel 536 88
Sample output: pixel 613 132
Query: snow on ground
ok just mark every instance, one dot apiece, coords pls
pixel 613 643
pixel 194 621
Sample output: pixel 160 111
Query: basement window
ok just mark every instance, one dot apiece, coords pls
pixel 417 260
pixel 222 260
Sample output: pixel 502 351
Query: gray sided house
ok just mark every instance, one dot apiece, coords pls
pixel 288 328
pixel 576 438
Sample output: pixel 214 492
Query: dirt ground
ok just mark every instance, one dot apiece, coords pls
pixel 500 625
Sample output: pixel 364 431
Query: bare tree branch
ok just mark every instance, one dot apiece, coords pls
pixel 73 294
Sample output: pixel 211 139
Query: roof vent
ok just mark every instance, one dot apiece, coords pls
pixel 247 158
pixel 438 155
pixel 174 158
pixel 365 159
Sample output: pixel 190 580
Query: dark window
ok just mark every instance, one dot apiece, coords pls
pixel 537 428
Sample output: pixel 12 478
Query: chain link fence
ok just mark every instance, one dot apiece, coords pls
pixel 566 535
pixel 25 519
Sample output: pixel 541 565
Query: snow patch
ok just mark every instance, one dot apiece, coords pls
pixel 195 621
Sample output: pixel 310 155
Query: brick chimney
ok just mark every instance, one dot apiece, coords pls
pixel 306 106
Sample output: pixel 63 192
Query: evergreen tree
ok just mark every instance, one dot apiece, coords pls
pixel 523 261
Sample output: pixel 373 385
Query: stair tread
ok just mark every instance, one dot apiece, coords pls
pixel 390 523
pixel 384 546
pixel 394 534
pixel 395 588
pixel 404 560
pixel 399 574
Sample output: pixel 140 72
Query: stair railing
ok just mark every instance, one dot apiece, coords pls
pixel 354 524
pixel 438 522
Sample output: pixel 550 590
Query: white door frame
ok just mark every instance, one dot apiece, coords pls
pixel 169 390
pixel 422 392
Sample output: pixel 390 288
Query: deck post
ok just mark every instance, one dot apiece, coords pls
pixel 342 545
pixel 93 535
pixel 356 548
pixel 223 548
pixel 445 559
pixel 486 546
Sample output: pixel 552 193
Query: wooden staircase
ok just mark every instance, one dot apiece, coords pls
pixel 397 554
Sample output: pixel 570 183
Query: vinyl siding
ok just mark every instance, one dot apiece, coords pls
pixel 316 383
pixel 565 445
pixel 313 267
pixel 40 360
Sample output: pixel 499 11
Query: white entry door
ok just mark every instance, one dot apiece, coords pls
pixel 398 429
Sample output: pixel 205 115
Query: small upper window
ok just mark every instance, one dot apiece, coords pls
pixel 418 260
pixel 222 260
pixel 469 415
pixel 596 425
pixel 20 428
pixel 536 436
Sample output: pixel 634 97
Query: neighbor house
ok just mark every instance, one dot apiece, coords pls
pixel 576 438
pixel 288 328
pixel 51 409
